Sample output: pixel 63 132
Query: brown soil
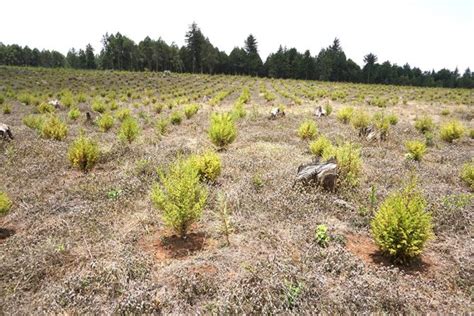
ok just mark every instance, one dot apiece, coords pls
pixel 164 246
pixel 364 248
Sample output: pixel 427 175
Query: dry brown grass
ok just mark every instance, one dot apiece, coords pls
pixel 78 248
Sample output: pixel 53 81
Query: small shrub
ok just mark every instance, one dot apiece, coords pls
pixel 123 114
pixel 307 130
pixel 429 139
pixel 471 133
pixel 2 98
pixel 344 114
pixel 129 130
pixel 180 197
pixel 360 120
pixel 73 114
pixel 424 124
pixel 67 100
pixel 349 162
pixel 113 105
pixel 318 146
pixel 5 203
pixel 467 174
pixel 402 226
pixel 257 181
pixel 238 111
pixel 328 108
pixel 98 106
pixel 451 131
pixel 190 110
pixel 222 131
pixel 161 126
pixel 158 107
pixel 54 128
pixel 105 122
pixel 46 108
pixel 176 118
pixel 7 109
pixel 445 112
pixel 382 123
pixel 392 119
pixel 83 153
pixel 321 235
pixel 208 165
pixel 33 121
pixel 416 149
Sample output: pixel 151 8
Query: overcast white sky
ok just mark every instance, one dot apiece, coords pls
pixel 428 34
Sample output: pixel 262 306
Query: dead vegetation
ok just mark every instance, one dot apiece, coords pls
pixel 75 242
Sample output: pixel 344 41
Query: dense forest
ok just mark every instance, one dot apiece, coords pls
pixel 200 56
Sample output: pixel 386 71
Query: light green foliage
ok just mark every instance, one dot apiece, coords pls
pixel 445 112
pixel 471 133
pixel 292 293
pixel 176 118
pixel 424 124
pixel 33 121
pixel 349 162
pixel 158 107
pixel 402 225
pixel 105 122
pixel 5 203
pixel 98 106
pixel 129 130
pixel 161 126
pixel 113 105
pixel 381 122
pixel 67 99
pixel 238 111
pixel 83 153
pixel 180 197
pixel 416 149
pixel 467 174
pixel 73 114
pixel 54 128
pixel 46 108
pixel 2 98
pixel 360 119
pixel 378 101
pixel 123 114
pixel 257 181
pixel 190 110
pixel 7 109
pixel 222 131
pixel 208 165
pixel 451 131
pixel 328 108
pixel 321 235
pixel 318 146
pixel 307 130
pixel 344 114
pixel 392 119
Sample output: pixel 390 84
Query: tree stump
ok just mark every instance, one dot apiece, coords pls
pixel 321 173
pixel 5 132
pixel 276 112
pixel 320 111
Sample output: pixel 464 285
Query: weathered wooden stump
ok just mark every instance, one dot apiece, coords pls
pixel 55 103
pixel 371 133
pixel 320 111
pixel 321 173
pixel 5 132
pixel 276 112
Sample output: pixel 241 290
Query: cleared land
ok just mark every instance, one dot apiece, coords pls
pixel 93 243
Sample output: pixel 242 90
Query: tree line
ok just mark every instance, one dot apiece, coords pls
pixel 198 55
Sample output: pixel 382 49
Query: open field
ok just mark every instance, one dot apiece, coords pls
pixel 94 243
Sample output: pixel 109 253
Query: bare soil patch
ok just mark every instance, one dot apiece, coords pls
pixel 364 248
pixel 165 245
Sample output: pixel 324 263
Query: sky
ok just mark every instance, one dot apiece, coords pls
pixel 427 34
